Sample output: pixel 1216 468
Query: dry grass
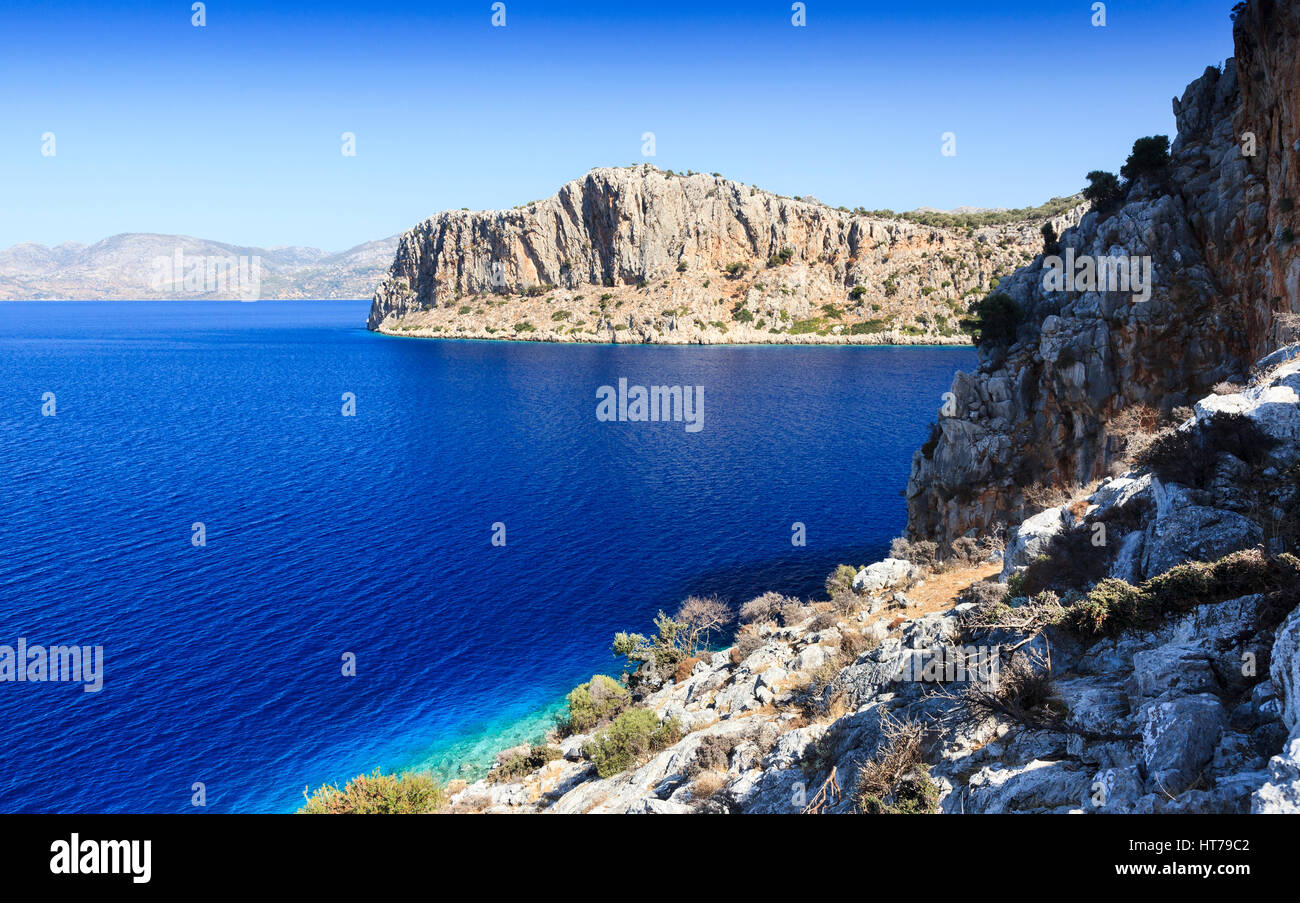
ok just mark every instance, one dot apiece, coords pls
pixel 940 592
pixel 707 784
pixel 1042 496
pixel 685 667
pixel 895 779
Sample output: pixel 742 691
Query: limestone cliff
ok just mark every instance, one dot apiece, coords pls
pixel 1219 234
pixel 636 254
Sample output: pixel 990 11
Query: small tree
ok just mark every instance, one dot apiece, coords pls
pixel 697 619
pixel 663 650
pixel 994 320
pixel 1150 157
pixel 1051 242
pixel 1103 189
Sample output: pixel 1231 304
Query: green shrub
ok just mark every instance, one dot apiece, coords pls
pixel 593 703
pixel 813 324
pixel 1150 157
pixel 377 794
pixel 868 327
pixel 1111 606
pixel 994 320
pixel 1051 242
pixel 841 580
pixel 915 794
pixel 858 291
pixel 560 315
pixel 1104 190
pixel 629 740
pixel 1114 606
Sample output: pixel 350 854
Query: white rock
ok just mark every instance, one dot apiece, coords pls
pixel 890 572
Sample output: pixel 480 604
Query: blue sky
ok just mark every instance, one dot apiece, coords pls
pixel 232 131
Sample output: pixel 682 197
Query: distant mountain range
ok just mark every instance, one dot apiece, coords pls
pixel 147 266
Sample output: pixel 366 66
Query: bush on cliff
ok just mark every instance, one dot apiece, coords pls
pixel 1104 190
pixel 1070 561
pixel 1150 157
pixel 524 763
pixel 594 703
pixel 629 740
pixel 1051 241
pixel 994 320
pixel 896 780
pixel 1190 456
pixel 676 638
pixel 662 650
pixel 841 580
pixel 768 607
pixel 377 794
pixel 1113 606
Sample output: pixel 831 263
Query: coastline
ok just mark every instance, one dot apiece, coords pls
pixel 873 341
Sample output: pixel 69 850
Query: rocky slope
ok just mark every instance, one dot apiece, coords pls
pixel 1225 264
pixel 636 254
pixel 1190 706
pixel 124 267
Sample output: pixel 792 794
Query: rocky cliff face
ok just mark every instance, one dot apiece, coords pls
pixel 1219 234
pixel 641 255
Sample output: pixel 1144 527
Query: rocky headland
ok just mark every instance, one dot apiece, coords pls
pixel 641 255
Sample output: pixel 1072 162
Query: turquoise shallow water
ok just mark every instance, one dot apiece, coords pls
pixel 372 534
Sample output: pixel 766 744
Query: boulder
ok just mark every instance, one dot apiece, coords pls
pixel 1033 537
pixel 1179 737
pixel 883 574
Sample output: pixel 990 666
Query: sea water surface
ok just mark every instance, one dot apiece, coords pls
pixel 372 534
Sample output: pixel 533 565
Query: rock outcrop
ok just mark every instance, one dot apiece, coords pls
pixel 1218 232
pixel 636 254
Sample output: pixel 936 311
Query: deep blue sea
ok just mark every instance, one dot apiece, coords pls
pixel 371 534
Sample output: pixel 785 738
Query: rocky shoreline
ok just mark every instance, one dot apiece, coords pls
pixel 1195 711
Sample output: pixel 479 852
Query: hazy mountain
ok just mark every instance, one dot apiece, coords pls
pixel 149 266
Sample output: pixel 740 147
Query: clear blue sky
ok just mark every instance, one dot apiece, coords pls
pixel 232 131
